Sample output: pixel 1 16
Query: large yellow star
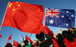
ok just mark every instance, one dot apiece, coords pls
pixel 10 4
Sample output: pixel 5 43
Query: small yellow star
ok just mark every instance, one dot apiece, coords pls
pixel 16 1
pixel 10 4
pixel 18 5
pixel 13 9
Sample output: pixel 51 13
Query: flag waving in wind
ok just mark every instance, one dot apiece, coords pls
pixel 15 43
pixel 9 37
pixel 27 38
pixel 0 36
pixel 60 17
pixel 23 16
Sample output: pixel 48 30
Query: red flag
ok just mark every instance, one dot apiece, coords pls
pixel 23 16
pixel 15 43
pixel 27 38
pixel 0 36
pixel 7 43
pixel 34 44
pixel 55 43
pixel 70 44
pixel 46 30
pixel 50 33
pixel 9 37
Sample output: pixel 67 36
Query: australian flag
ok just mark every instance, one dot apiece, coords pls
pixel 64 18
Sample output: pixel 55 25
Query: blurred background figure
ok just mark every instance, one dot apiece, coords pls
pixel 8 45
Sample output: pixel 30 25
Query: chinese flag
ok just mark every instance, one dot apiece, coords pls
pixel 9 37
pixel 0 36
pixel 23 16
pixel 55 43
pixel 15 43
pixel 47 30
pixel 27 38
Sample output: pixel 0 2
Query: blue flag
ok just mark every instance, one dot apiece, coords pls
pixel 64 18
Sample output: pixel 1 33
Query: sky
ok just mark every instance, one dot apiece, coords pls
pixel 6 31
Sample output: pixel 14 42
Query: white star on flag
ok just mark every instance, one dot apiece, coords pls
pixel 62 16
pixel 67 11
pixel 72 15
pixel 51 21
pixel 67 24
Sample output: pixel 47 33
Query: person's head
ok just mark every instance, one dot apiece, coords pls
pixel 40 36
pixel 74 31
pixel 19 45
pixel 26 42
pixel 59 37
pixel 64 33
pixel 68 34
pixel 8 45
pixel 47 43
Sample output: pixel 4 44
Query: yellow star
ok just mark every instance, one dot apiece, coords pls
pixel 10 4
pixel 16 1
pixel 13 9
pixel 18 5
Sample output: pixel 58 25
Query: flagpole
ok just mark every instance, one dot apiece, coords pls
pixel 44 22
pixel 30 35
pixel 44 19
pixel 22 38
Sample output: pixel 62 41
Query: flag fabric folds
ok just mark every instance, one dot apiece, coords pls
pixel 64 18
pixel 23 16
pixel 9 37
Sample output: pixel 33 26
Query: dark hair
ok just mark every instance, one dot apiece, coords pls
pixel 68 34
pixel 60 37
pixel 40 36
pixel 37 43
pixel 19 45
pixel 26 42
pixel 8 45
pixel 60 40
pixel 64 33
pixel 47 43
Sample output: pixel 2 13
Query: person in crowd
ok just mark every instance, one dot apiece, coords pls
pixel 40 38
pixel 36 44
pixel 60 41
pixel 19 45
pixel 27 43
pixel 8 45
pixel 69 39
pixel 74 32
pixel 49 42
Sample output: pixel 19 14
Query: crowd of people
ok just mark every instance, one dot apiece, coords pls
pixel 65 39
